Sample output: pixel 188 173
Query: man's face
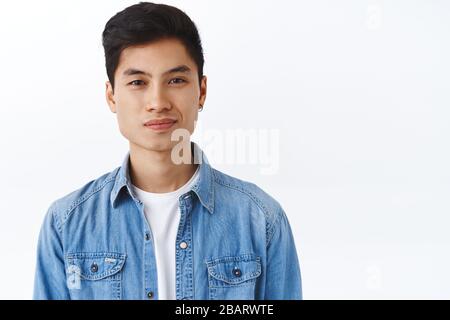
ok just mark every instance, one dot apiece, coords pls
pixel 148 88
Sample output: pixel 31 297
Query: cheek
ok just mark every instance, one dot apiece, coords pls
pixel 123 122
pixel 127 119
pixel 128 99
pixel 191 120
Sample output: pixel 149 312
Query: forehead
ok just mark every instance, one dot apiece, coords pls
pixel 155 57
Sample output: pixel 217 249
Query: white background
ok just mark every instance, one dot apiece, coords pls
pixel 359 91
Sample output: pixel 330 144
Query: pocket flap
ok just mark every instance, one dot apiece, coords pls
pixel 235 269
pixel 95 265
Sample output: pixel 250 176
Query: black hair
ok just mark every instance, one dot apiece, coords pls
pixel 147 22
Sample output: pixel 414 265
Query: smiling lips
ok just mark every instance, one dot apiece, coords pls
pixel 160 124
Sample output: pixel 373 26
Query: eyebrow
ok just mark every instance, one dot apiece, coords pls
pixel 181 68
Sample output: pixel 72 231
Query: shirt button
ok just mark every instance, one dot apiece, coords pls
pixel 150 294
pixel 183 245
pixel 147 236
pixel 237 272
pixel 94 267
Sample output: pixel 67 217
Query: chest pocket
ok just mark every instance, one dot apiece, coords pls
pixel 94 275
pixel 233 277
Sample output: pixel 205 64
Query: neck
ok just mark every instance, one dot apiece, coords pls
pixel 154 171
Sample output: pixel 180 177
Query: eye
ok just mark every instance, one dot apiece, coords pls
pixel 135 82
pixel 178 80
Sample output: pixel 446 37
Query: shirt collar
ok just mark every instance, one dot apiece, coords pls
pixel 203 188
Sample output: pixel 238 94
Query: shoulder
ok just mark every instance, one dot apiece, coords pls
pixel 246 191
pixel 62 208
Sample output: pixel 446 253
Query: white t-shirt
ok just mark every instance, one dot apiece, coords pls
pixel 162 212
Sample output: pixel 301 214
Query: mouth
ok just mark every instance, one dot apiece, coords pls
pixel 160 124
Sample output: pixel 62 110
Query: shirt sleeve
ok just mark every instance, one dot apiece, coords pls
pixel 283 279
pixel 50 277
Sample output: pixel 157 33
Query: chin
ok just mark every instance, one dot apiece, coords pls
pixel 159 146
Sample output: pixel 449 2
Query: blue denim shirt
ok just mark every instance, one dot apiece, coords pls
pixel 95 243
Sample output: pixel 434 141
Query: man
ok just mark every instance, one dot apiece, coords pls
pixel 165 224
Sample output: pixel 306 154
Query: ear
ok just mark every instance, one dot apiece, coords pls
pixel 203 86
pixel 110 97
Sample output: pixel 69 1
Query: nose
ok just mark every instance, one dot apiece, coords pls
pixel 157 100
